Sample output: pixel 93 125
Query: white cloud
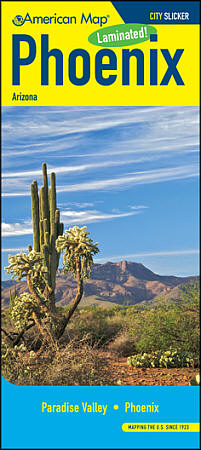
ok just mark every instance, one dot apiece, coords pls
pixel 139 207
pixel 129 179
pixel 144 177
pixel 71 121
pixel 68 169
pixel 15 194
pixel 69 217
pixel 77 204
pixel 147 254
pixel 138 135
pixel 16 229
pixel 54 130
pixel 14 250
pixel 90 216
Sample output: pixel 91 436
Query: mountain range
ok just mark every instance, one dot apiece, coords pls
pixel 111 283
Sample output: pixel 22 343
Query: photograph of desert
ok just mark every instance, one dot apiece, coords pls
pixel 100 255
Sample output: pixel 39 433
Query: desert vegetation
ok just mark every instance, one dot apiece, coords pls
pixel 37 308
pixel 46 344
pixel 159 338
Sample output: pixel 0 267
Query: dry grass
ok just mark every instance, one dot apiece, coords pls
pixel 71 365
pixel 123 344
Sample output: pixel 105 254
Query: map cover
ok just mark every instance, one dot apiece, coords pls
pixel 100 221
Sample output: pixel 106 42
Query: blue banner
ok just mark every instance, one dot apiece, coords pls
pixel 28 423
pixel 167 13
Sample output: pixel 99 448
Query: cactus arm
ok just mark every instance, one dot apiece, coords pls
pixel 53 233
pixel 35 216
pixel 45 181
pixel 52 202
pixel 46 227
pixel 60 229
pixel 45 195
pixel 45 251
pixel 44 206
pixel 41 235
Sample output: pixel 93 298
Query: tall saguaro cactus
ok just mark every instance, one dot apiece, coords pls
pixel 46 227
pixel 40 266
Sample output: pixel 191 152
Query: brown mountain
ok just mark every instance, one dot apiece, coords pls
pixel 111 282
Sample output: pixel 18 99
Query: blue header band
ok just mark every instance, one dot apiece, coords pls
pixel 167 13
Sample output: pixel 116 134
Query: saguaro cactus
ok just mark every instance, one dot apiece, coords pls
pixel 46 228
pixel 40 266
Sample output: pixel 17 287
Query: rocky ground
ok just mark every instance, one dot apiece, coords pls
pixel 128 376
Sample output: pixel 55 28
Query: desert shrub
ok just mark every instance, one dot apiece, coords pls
pixel 157 335
pixel 164 325
pixel 12 367
pixel 98 326
pixel 143 328
pixel 5 316
pixel 190 296
pixel 123 344
pixel 171 358
pixel 73 366
pixel 21 310
pixel 68 366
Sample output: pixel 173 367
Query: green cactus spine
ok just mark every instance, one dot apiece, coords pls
pixel 46 227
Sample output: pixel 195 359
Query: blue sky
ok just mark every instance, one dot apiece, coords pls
pixel 129 173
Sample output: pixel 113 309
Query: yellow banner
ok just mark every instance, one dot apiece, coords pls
pixel 48 60
pixel 161 427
